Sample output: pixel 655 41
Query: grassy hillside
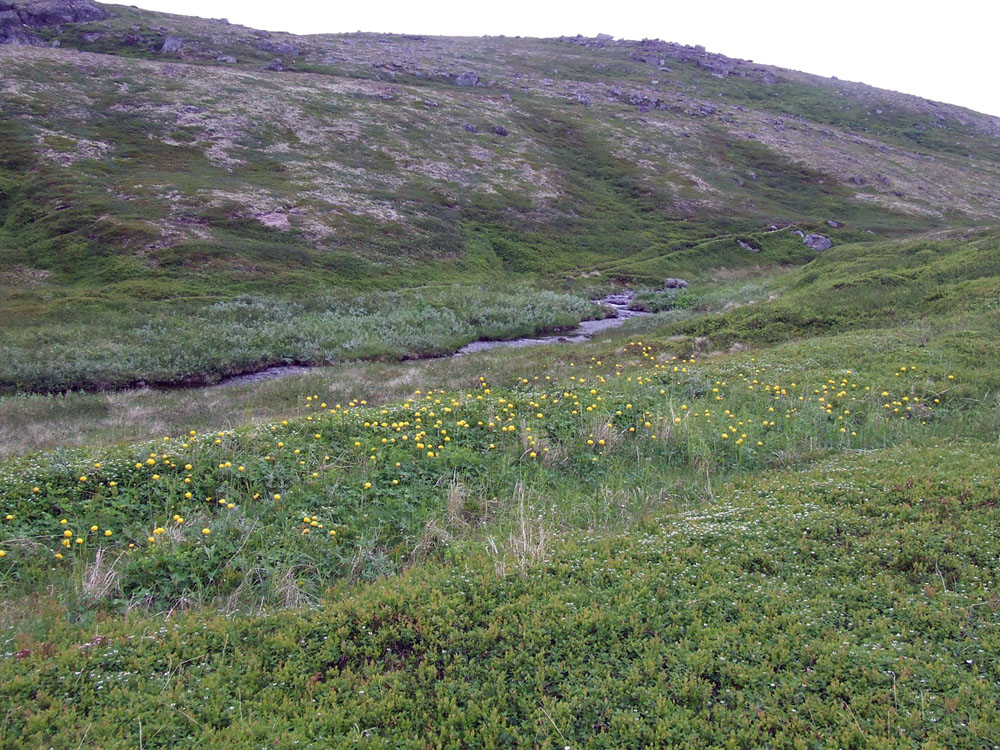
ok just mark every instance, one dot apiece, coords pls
pixel 154 166
pixel 763 515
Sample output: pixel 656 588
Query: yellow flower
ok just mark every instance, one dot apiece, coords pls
pixel 2 553
pixel 93 528
pixel 206 532
pixel 277 496
pixel 107 532
pixel 67 533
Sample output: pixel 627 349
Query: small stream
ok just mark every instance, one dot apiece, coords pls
pixel 583 332
pixel 618 302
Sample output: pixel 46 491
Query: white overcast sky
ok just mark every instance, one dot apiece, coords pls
pixel 945 50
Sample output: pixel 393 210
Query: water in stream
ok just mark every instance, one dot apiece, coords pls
pixel 617 302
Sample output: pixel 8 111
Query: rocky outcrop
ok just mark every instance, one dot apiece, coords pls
pixel 817 242
pixel 19 21
pixel 18 35
pixel 675 284
pixel 279 48
pixel 56 12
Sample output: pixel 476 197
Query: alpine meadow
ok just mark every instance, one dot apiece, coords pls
pixel 378 390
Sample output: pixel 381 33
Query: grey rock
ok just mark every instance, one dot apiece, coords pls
pixel 799 232
pixel 226 59
pixel 834 224
pixel 857 180
pixel 57 12
pixel 276 65
pixel 172 44
pixel 467 79
pixel 9 19
pixel 470 128
pixel 748 246
pixel 92 36
pixel 675 284
pixel 19 36
pixel 279 48
pixel 500 130
pixel 817 242
pixel 261 33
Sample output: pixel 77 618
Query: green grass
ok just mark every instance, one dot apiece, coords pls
pixel 850 604
pixel 105 342
pixel 828 578
pixel 763 516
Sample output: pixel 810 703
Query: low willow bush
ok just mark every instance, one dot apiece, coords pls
pixel 850 605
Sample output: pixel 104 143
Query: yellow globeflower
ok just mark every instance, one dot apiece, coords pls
pixel 2 553
pixel 93 528
pixel 67 533
pixel 206 532
pixel 107 532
